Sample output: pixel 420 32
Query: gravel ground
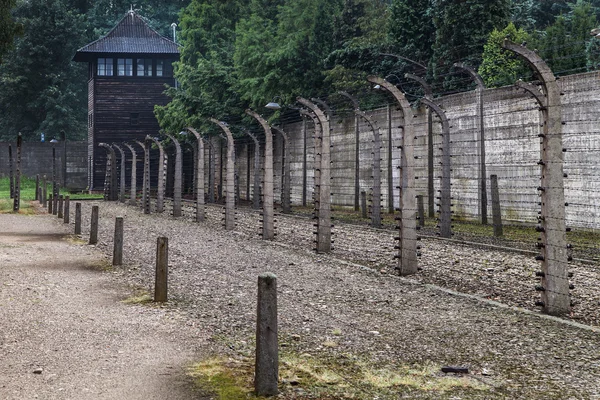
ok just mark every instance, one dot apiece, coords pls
pixel 66 334
pixel 387 320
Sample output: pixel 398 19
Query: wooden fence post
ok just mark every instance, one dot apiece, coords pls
pixel 67 210
pixel 78 218
pixel 162 262
pixel 59 213
pixel 266 370
pixel 37 187
pixel 10 172
pixel 118 242
pixel 17 188
pixel 94 226
pixel 50 204
pixel 55 199
pixel 44 191
pixel 496 212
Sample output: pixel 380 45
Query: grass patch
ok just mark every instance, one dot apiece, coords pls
pixel 140 296
pixel 6 206
pixel 28 190
pixel 304 376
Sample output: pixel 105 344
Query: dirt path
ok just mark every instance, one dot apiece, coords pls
pixel 67 335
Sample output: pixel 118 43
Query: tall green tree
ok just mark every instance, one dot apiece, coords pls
pixel 564 44
pixel 283 54
pixel 360 36
pixel 8 26
pixel 410 30
pixel 462 28
pixel 40 88
pixel 501 67
pixel 205 71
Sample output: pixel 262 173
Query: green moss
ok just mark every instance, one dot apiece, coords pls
pixel 342 376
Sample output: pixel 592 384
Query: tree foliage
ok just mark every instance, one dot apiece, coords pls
pixel 563 45
pixel 501 67
pixel 8 26
pixel 243 53
pixel 458 38
pixel 36 86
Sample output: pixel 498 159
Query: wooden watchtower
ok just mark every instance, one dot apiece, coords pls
pixel 129 69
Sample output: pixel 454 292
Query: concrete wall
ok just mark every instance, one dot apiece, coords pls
pixel 36 158
pixel 511 124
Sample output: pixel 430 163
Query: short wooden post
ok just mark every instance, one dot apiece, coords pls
pixel 67 210
pixel 118 242
pixel 496 212
pixel 363 203
pixel 59 213
pixel 78 218
pixel 266 372
pixel 420 210
pixel 94 226
pixel 50 203
pixel 162 261
pixel 17 183
pixel 40 195
pixel 44 192
pixel 37 187
pixel 55 200
pixel 10 172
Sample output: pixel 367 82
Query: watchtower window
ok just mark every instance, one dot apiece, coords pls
pixel 105 67
pixel 144 67
pixel 134 118
pixel 164 68
pixel 125 66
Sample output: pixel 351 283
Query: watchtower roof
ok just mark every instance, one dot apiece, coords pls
pixel 131 35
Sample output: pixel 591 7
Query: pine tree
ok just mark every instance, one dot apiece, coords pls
pixel 563 45
pixel 410 30
pixel 41 89
pixel 205 71
pixel 8 27
pixel 462 28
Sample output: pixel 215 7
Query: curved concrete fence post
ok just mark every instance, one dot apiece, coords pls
pixel 286 201
pixel 211 170
pixel 199 174
pixel 230 181
pixel 256 177
pixel 110 182
pixel 376 202
pixel 322 178
pixel 160 190
pixel 268 232
pixel 407 221
pixel 133 189
pixel 146 176
pixel 122 173
pixel 555 280
pixel 177 179
pixel 445 192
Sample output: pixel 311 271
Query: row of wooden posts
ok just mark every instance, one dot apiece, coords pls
pixel 267 359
